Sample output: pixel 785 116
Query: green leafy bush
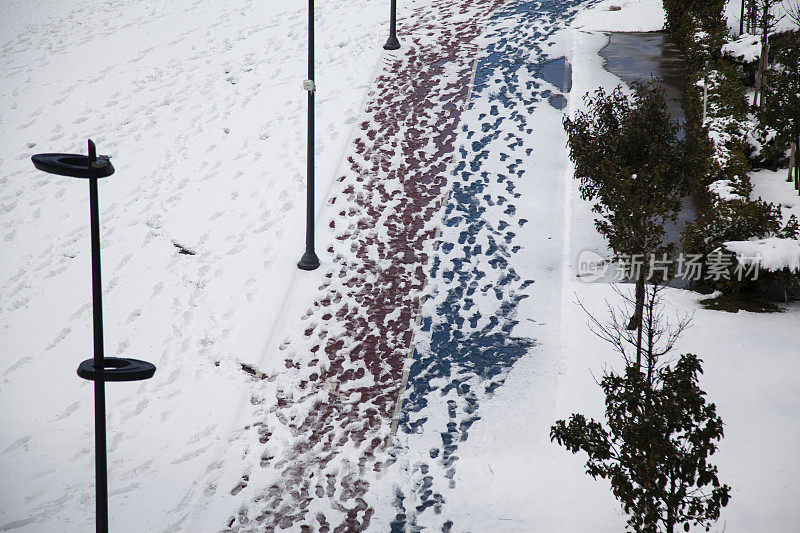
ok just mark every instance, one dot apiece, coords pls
pixel 781 111
pixel 629 161
pixel 655 447
pixel 717 149
pixel 686 19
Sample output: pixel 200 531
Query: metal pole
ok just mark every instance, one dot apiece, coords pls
pixel 310 261
pixel 392 43
pixel 101 467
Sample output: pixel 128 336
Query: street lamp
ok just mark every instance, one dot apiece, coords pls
pixel 392 43
pixel 99 369
pixel 310 261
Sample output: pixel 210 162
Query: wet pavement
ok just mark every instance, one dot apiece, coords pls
pixel 633 56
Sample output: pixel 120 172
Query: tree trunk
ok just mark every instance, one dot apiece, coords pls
pixel 797 164
pixel 651 361
pixel 797 157
pixel 764 72
pixel 670 511
pixel 762 65
pixel 636 320
pixel 741 20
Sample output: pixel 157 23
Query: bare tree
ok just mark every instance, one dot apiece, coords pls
pixel 761 16
pixel 659 333
pixel 792 10
pixel 767 19
pixel 768 16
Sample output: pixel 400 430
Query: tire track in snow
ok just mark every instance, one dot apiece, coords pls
pixel 321 441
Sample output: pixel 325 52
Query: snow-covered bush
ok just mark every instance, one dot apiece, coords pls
pixel 719 147
pixel 771 254
pixel 745 49
pixel 738 220
pixel 722 138
pixel 776 258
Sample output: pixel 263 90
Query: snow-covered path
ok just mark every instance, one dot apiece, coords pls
pixel 321 455
pixel 503 212
pixel 323 423
pixel 409 383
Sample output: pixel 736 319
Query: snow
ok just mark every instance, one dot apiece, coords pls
pixel 771 186
pixel 722 130
pixel 750 372
pixel 633 16
pixel 758 405
pixel 772 254
pixel 746 48
pixel 724 189
pixel 199 103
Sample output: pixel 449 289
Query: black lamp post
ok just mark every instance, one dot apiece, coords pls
pixel 392 43
pixel 310 261
pixel 99 369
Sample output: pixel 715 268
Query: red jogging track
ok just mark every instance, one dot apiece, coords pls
pixel 353 352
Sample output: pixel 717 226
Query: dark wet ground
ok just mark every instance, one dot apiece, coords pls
pixel 559 73
pixel 633 56
pixel 645 56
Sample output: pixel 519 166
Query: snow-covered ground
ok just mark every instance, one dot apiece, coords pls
pixel 771 186
pixel 751 372
pixel 199 103
pixel 772 253
pixel 509 476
